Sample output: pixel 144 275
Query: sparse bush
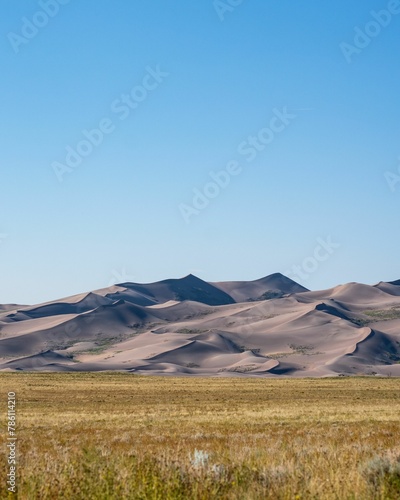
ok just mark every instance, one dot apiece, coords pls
pixel 383 474
pixel 200 459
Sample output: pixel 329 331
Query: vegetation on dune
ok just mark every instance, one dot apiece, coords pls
pixel 269 295
pixel 375 315
pixel 384 314
pixel 120 436
pixel 191 330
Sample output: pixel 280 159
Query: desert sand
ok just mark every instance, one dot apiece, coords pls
pixel 269 327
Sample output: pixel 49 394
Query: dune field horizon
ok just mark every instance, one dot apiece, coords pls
pixel 267 327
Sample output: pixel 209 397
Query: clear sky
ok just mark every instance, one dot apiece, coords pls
pixel 302 127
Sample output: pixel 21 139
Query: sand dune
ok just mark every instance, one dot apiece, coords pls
pixel 354 296
pixel 264 288
pixel 392 288
pixel 9 307
pixel 188 288
pixel 264 328
pixel 85 303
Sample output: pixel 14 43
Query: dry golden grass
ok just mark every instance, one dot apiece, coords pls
pixel 117 436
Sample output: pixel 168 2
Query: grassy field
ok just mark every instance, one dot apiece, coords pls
pixel 117 436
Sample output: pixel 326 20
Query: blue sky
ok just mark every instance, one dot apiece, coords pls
pixel 213 84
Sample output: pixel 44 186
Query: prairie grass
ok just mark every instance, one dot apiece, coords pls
pixel 120 436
